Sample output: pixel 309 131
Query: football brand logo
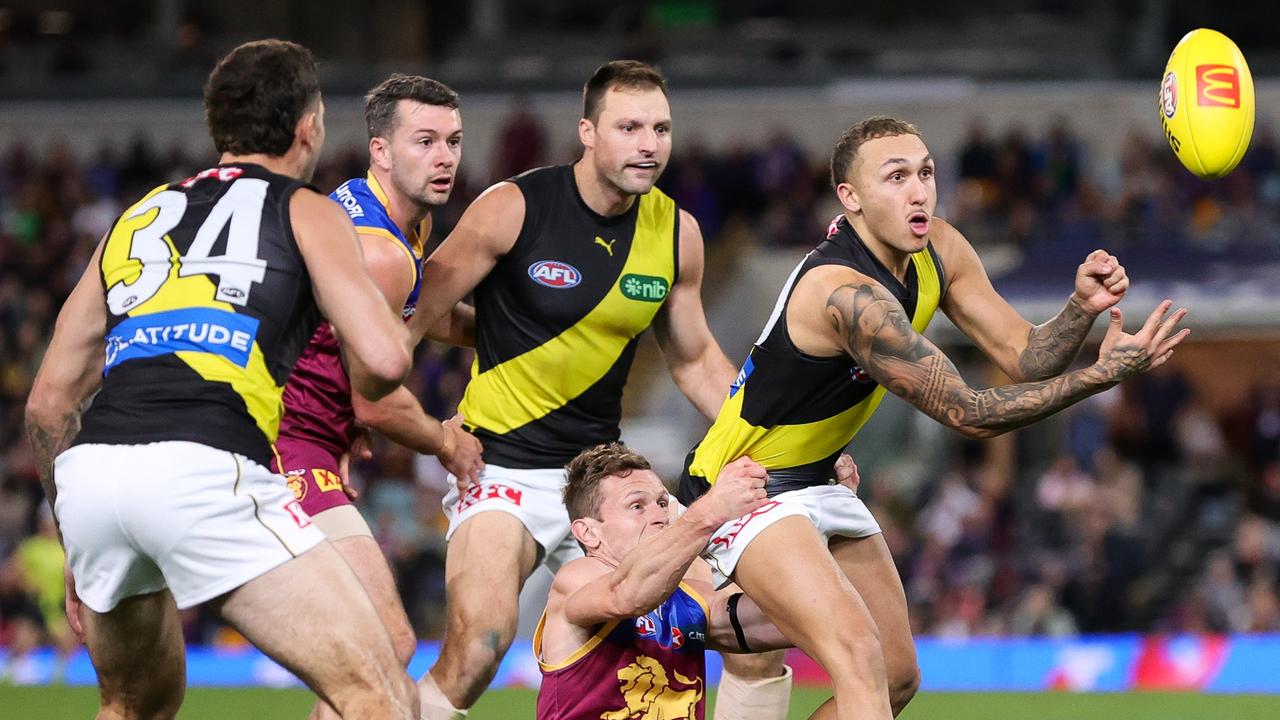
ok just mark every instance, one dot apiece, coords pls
pixel 1217 86
pixel 1169 95
pixel 555 274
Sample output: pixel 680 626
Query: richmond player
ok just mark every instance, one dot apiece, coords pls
pixel 203 294
pixel 847 327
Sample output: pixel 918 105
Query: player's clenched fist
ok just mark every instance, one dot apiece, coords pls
pixel 738 490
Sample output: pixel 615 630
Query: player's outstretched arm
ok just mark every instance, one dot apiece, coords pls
pixel 1024 351
pixel 70 372
pixel 650 573
pixel 487 231
pixel 697 364
pixel 874 330
pixel 375 342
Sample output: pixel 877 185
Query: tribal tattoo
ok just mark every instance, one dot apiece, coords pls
pixel 1052 345
pixel 878 333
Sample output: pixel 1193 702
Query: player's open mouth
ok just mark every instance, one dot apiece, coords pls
pixel 643 166
pixel 919 224
pixel 441 184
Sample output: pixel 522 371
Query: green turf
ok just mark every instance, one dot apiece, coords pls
pixel 215 704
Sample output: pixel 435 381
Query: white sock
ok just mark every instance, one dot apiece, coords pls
pixel 754 698
pixel 434 705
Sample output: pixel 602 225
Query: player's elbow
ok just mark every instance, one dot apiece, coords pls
pixel 976 432
pixel 628 602
pixel 383 373
pixel 43 406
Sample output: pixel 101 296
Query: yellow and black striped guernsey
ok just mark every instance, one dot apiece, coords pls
pixel 208 305
pixel 791 412
pixel 557 321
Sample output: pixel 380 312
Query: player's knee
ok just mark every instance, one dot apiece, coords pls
pixel 405 642
pixel 149 706
pixel 903 685
pixel 378 693
pixel 854 657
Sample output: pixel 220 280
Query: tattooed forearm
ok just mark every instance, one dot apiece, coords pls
pixel 877 333
pixel 49 437
pixel 1052 345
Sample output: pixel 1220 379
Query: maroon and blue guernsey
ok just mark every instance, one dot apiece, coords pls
pixel 319 423
pixel 647 668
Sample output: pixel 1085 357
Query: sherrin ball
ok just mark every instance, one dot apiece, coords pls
pixel 1206 103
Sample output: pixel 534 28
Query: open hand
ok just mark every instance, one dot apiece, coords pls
pixel 1122 356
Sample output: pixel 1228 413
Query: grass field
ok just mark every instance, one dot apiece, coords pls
pixel 59 703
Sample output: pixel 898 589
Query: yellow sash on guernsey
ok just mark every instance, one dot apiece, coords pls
pixel 262 397
pixel 787 446
pixel 531 385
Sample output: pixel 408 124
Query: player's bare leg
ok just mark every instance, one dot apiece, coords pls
pixel 311 616
pixel 140 657
pixel 754 687
pixel 350 536
pixel 869 566
pixel 489 558
pixel 811 601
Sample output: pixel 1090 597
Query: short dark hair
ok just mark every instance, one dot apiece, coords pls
pixel 626 74
pixel 847 146
pixel 256 95
pixel 581 492
pixel 380 104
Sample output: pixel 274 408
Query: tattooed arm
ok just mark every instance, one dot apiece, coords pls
pixel 875 331
pixel 1023 351
pixel 70 373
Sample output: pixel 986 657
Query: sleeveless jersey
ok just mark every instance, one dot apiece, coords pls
pixel 792 412
pixel 653 666
pixel 557 321
pixel 317 400
pixel 208 304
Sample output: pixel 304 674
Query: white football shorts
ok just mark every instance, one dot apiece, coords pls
pixel 535 497
pixel 200 521
pixel 833 510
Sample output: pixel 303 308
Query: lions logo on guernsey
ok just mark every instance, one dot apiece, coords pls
pixel 366 205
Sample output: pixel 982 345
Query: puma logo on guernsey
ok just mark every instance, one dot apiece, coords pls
pixel 606 245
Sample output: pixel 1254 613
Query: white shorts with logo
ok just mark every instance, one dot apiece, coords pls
pixel 535 497
pixel 833 510
pixel 200 521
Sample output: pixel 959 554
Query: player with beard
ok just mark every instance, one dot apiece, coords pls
pixel 415 144
pixel 568 266
pixel 186 325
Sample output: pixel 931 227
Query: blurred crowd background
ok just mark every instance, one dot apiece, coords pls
pixel 1152 507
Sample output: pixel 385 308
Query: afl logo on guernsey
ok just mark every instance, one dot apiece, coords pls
pixel 555 274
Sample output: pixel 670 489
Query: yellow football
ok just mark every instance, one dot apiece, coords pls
pixel 1206 103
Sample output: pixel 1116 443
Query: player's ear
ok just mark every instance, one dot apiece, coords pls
pixel 310 131
pixel 379 152
pixel 848 197
pixel 584 532
pixel 587 133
